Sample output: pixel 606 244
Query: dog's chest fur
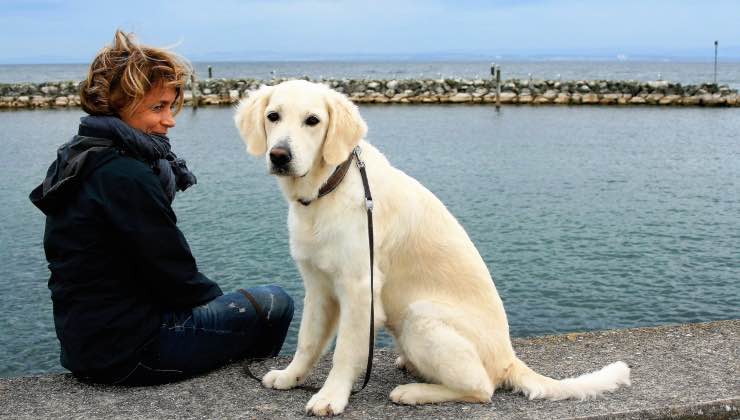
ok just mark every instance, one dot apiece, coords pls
pixel 327 239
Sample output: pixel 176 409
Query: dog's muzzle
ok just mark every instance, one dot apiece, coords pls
pixel 280 158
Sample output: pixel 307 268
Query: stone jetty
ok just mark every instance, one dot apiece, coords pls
pixel 475 91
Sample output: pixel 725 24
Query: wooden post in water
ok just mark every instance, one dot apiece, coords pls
pixel 497 80
pixel 210 72
pixel 194 90
pixel 498 87
pixel 715 61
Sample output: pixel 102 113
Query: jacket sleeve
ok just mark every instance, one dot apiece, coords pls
pixel 136 205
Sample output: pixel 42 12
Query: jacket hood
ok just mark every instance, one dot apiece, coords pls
pixel 75 160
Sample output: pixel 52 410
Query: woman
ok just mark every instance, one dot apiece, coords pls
pixel 130 306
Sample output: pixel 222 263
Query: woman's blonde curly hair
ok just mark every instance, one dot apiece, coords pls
pixel 122 73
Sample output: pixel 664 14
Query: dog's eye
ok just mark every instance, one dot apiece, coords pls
pixel 312 120
pixel 273 116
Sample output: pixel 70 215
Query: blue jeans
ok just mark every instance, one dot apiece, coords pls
pixel 247 323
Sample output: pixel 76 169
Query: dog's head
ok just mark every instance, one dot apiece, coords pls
pixel 299 124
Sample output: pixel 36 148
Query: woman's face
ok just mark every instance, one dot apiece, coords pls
pixel 153 114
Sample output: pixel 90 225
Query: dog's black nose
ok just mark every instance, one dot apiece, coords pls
pixel 280 156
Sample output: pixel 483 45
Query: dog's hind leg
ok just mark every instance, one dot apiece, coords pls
pixel 443 356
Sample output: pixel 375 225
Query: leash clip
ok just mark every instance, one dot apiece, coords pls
pixel 357 151
pixel 361 165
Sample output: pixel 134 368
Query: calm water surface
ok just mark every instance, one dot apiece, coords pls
pixel 588 217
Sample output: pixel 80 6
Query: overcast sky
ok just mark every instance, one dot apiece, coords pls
pixel 38 31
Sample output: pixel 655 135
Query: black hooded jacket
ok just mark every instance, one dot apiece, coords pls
pixel 116 256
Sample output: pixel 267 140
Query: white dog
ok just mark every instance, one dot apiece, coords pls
pixel 432 289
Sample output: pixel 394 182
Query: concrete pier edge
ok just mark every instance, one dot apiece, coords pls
pixel 678 371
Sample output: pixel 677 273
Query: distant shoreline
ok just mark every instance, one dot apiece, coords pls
pixel 726 58
pixel 426 91
pixel 686 73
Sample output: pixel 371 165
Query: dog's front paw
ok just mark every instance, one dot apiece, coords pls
pixel 280 379
pixel 325 403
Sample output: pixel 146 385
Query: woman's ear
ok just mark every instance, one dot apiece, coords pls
pixel 346 128
pixel 250 120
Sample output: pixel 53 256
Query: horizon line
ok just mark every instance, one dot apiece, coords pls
pixel 400 57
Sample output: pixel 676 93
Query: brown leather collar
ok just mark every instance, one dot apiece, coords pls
pixel 333 180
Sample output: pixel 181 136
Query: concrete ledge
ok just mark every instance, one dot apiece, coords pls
pixel 685 371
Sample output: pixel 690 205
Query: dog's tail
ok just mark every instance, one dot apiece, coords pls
pixel 522 378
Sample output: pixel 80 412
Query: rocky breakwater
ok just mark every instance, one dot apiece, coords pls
pixel 538 92
pixel 515 91
pixel 42 95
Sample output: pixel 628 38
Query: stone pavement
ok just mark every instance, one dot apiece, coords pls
pixel 685 371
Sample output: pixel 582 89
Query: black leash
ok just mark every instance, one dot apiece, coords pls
pixel 371 340
pixel 369 208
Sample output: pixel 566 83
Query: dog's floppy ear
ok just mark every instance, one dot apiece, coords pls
pixel 250 120
pixel 346 128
